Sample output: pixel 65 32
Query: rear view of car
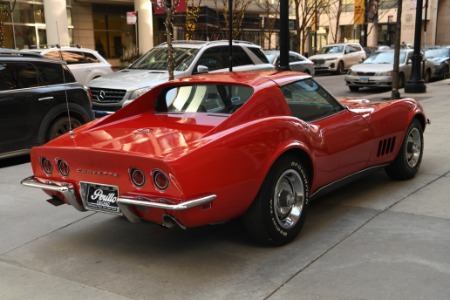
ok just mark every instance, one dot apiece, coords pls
pixel 39 100
pixel 85 64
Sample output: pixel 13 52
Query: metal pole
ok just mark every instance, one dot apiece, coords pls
pixel 284 35
pixel 416 84
pixel 230 33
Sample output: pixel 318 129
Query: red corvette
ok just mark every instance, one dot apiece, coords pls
pixel 210 148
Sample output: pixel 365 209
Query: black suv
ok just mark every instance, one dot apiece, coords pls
pixel 35 95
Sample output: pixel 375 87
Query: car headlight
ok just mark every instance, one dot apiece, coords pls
pixel 352 72
pixel 331 58
pixel 139 92
pixel 389 73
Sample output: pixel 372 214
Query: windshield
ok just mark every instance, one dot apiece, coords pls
pixel 215 98
pixel 156 59
pixel 436 53
pixel 384 58
pixel 332 49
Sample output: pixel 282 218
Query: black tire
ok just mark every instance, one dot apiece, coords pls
pixel 445 72
pixel 407 163
pixel 427 76
pixel 340 68
pixel 276 217
pixel 61 126
pixel 401 80
pixel 353 88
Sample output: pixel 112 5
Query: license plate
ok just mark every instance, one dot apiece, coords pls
pixel 364 79
pixel 100 197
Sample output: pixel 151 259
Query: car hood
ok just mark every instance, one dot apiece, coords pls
pixel 437 60
pixel 131 79
pixel 324 56
pixel 373 67
pixel 162 137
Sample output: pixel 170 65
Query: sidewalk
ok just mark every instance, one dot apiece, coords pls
pixel 439 88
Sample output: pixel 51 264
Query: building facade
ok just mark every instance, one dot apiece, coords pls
pixel 105 25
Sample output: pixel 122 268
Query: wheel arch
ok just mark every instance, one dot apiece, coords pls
pixel 299 153
pixel 75 110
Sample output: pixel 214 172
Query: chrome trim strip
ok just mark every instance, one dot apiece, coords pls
pixel 143 201
pixel 65 189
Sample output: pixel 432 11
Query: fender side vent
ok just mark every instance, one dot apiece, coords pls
pixel 386 146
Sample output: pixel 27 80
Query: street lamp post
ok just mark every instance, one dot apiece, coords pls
pixel 416 84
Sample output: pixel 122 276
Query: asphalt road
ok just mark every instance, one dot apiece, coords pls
pixel 374 239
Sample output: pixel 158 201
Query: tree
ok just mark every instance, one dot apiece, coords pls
pixel 6 9
pixel 269 12
pixel 239 7
pixel 169 7
pixel 192 13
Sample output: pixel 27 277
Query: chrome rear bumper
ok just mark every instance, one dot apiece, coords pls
pixel 123 202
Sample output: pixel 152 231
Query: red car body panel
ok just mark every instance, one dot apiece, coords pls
pixel 223 155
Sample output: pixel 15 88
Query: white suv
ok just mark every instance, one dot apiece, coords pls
pixel 337 58
pixel 112 91
pixel 85 64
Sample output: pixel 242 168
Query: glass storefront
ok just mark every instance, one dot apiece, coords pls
pixel 113 36
pixel 25 27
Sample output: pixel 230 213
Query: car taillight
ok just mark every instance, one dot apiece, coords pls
pixel 63 167
pixel 46 165
pixel 160 179
pixel 137 177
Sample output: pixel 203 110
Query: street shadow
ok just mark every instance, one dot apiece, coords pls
pixel 14 161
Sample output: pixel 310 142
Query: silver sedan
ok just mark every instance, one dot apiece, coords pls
pixel 377 70
pixel 297 62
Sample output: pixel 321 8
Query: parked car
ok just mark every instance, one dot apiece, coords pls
pixel 337 58
pixel 111 92
pixel 85 64
pixel 440 57
pixel 210 148
pixel 377 70
pixel 35 94
pixel 297 62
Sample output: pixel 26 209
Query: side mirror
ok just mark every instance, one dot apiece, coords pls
pixel 201 69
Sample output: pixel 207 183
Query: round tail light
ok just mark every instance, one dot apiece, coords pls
pixel 137 177
pixel 63 168
pixel 46 165
pixel 160 179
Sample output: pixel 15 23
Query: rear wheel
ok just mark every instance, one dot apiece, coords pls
pixel 407 163
pixel 278 212
pixel 61 126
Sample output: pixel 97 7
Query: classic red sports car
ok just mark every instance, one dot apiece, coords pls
pixel 210 148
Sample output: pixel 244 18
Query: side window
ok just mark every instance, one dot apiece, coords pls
pixel 259 53
pixel 91 58
pixel 8 78
pixel 214 58
pixel 53 73
pixel 27 76
pixel 240 57
pixel 308 101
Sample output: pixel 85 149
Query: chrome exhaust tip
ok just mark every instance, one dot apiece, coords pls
pixel 170 222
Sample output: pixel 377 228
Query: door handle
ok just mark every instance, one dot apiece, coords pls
pixel 45 98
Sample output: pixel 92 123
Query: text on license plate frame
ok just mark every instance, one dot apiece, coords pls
pixel 100 197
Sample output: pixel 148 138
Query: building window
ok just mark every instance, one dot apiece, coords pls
pixel 112 34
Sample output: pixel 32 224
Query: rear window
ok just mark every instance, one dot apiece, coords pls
pixel 73 57
pixel 208 98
